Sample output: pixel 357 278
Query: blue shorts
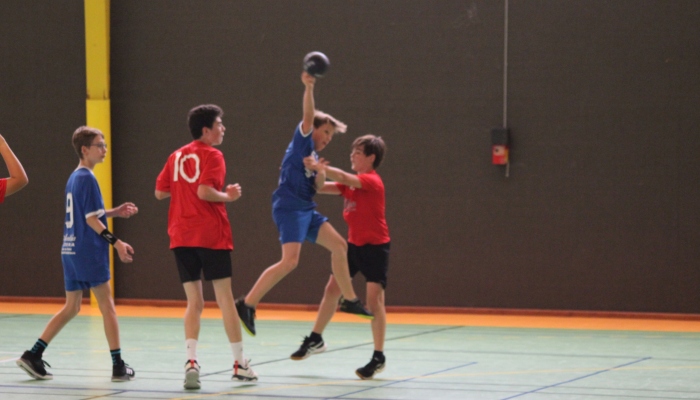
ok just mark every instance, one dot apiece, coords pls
pixel 296 226
pixel 72 286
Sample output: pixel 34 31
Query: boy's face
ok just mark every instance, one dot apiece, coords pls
pixel 215 135
pixel 322 136
pixel 359 161
pixel 96 152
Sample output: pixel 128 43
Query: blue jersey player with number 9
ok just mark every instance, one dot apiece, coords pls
pixel 85 256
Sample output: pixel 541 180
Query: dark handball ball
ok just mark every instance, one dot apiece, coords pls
pixel 316 64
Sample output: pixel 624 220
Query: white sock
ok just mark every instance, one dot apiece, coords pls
pixel 191 346
pixel 238 352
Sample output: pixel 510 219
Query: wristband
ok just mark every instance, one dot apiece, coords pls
pixel 108 236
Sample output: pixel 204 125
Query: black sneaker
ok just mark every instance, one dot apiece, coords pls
pixel 247 316
pixel 355 307
pixel 33 365
pixel 308 348
pixel 372 368
pixel 122 372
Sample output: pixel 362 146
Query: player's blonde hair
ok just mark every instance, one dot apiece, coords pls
pixel 321 118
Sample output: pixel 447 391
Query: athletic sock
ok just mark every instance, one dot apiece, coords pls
pixel 191 348
pixel 315 337
pixel 379 355
pixel 238 352
pixel 116 356
pixel 39 347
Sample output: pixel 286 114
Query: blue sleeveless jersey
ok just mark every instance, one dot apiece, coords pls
pixel 85 254
pixel 296 184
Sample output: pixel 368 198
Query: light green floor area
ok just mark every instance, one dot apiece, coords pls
pixel 423 362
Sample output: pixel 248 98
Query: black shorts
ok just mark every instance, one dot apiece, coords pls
pixel 371 259
pixel 191 261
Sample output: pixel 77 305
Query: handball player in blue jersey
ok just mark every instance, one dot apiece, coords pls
pixel 294 213
pixel 85 256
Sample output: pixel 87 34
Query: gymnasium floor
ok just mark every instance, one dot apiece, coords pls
pixel 428 357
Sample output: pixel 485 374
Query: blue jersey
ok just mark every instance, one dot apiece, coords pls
pixel 296 184
pixel 85 254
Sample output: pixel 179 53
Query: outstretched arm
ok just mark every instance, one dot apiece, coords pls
pixel 208 193
pixel 329 188
pixel 321 167
pixel 18 178
pixel 320 179
pixel 340 176
pixel 309 106
pixel 125 210
pixel 322 186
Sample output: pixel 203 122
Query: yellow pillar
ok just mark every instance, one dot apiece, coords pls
pixel 97 104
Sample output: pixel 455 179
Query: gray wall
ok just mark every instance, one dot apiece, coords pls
pixel 42 101
pixel 597 213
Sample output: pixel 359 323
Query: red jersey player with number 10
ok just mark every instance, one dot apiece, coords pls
pixel 200 233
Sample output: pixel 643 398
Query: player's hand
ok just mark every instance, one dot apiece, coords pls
pixel 312 164
pixel 321 165
pixel 308 80
pixel 126 210
pixel 125 251
pixel 233 192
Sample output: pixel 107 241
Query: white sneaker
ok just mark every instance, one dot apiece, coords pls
pixel 192 375
pixel 243 372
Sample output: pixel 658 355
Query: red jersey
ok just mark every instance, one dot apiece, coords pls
pixel 193 222
pixel 3 188
pixel 364 211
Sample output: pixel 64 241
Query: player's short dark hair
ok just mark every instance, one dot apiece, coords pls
pixel 202 116
pixel 371 145
pixel 84 136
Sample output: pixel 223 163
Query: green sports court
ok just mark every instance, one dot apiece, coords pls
pixel 455 360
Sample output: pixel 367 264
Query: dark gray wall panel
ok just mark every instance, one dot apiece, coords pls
pixel 600 209
pixel 426 77
pixel 42 98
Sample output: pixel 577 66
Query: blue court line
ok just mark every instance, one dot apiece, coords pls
pixel 6 316
pixel 428 332
pixel 577 379
pixel 118 392
pixel 404 380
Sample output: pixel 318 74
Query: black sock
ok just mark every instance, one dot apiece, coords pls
pixel 315 337
pixel 116 356
pixel 379 355
pixel 39 347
